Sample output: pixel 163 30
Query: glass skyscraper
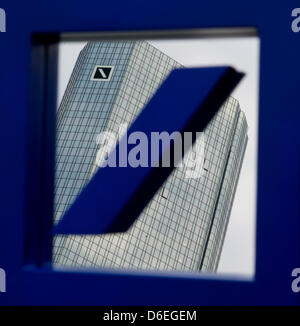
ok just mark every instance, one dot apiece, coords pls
pixel 184 225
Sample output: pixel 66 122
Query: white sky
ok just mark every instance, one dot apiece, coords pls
pixel 238 255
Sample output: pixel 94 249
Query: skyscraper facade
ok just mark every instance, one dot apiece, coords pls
pixel 184 225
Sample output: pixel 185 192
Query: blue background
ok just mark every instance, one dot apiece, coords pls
pixel 26 163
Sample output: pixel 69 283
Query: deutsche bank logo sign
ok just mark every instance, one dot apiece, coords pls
pixel 102 73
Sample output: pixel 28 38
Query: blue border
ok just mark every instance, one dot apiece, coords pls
pixel 278 222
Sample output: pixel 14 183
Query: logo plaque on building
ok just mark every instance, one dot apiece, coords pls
pixel 102 73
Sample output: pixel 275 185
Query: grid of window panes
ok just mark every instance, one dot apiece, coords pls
pixel 176 231
pixel 83 113
pixel 226 196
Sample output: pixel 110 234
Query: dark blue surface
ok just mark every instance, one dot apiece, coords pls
pixel 115 196
pixel 278 205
